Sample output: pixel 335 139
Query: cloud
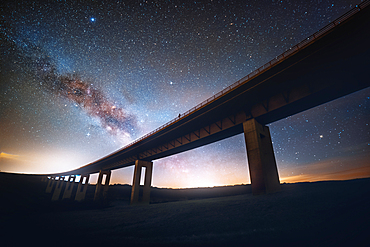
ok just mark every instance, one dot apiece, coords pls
pixel 9 156
pixel 15 163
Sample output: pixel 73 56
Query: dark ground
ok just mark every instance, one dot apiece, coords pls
pixel 304 214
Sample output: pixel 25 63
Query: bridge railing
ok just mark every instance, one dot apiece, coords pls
pixel 261 69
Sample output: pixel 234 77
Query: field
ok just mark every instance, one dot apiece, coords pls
pixel 333 213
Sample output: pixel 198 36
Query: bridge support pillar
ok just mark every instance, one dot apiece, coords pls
pixel 101 189
pixel 135 198
pixel 50 185
pixel 58 189
pixel 82 187
pixel 69 187
pixel 262 165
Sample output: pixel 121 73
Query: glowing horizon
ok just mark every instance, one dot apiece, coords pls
pixel 326 170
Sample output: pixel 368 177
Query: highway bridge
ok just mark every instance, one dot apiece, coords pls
pixel 329 64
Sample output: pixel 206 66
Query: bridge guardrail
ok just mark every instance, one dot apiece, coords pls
pixel 261 69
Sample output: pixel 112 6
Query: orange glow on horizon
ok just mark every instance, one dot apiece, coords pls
pixel 344 169
pixel 345 175
pixel 181 176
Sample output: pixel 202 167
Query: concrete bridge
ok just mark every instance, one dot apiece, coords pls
pixel 329 64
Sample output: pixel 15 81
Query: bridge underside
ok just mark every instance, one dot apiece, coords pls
pixel 262 168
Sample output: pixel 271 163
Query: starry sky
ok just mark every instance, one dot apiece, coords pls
pixel 81 79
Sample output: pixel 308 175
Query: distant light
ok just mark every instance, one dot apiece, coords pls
pixel 92 19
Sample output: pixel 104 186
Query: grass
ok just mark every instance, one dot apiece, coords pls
pixel 303 214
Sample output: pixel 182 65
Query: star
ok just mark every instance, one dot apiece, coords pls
pixel 119 81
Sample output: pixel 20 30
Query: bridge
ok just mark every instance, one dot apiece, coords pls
pixel 331 63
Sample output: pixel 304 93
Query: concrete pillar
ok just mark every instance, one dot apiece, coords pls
pixel 262 165
pixel 82 187
pixel 102 189
pixel 139 164
pixel 50 185
pixel 69 187
pixel 58 189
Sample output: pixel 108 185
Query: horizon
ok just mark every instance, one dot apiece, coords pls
pixel 94 180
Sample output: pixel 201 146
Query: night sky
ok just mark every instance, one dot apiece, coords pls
pixel 80 80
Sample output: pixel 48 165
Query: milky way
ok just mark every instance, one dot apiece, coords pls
pixel 114 119
pixel 42 68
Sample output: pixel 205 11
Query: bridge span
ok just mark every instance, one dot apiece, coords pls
pixel 329 64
